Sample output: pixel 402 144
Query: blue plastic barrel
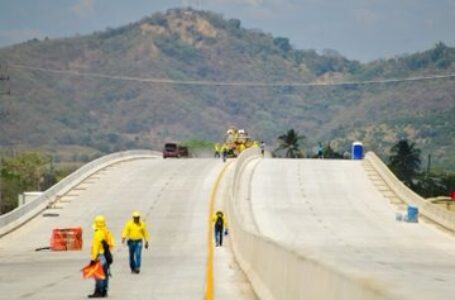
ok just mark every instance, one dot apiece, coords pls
pixel 357 150
pixel 413 213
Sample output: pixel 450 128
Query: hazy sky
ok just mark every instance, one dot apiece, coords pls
pixel 359 29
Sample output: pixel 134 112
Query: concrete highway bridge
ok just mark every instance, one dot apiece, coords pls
pixel 299 229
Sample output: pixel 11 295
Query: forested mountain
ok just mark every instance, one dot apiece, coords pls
pixel 108 114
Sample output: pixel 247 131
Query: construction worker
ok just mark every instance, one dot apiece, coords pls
pixel 101 250
pixel 224 152
pixel 320 150
pixel 217 150
pixel 135 230
pixel 262 148
pixel 242 148
pixel 221 227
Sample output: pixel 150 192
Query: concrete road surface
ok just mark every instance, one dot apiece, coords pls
pixel 329 210
pixel 173 196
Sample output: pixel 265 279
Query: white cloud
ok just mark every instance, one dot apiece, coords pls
pixel 84 8
pixel 20 35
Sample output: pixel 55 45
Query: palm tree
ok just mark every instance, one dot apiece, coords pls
pixel 405 161
pixel 289 142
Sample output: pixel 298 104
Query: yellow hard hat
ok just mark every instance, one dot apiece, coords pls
pixel 136 214
pixel 99 222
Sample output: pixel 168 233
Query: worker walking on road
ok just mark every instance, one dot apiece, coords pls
pixel 224 152
pixel 101 250
pixel 217 150
pixel 135 231
pixel 221 227
pixel 262 148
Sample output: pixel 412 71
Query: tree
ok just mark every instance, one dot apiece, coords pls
pixel 289 143
pixel 282 43
pixel 405 161
pixel 21 173
pixel 328 152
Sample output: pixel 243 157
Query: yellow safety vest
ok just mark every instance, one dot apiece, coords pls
pixel 135 231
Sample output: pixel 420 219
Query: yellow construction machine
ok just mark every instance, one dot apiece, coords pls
pixel 236 141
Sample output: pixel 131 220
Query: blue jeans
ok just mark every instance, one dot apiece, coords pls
pixel 135 247
pixel 101 285
pixel 219 235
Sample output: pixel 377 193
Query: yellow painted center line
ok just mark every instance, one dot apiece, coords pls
pixel 209 290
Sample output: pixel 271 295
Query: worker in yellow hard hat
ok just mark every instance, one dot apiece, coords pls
pixel 101 250
pixel 220 226
pixel 135 231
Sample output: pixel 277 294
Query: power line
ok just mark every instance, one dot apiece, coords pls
pixel 233 83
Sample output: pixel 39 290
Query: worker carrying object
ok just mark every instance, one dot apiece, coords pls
pixel 221 226
pixel 101 252
pixel 135 231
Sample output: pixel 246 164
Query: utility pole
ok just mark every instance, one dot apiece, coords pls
pixel 428 165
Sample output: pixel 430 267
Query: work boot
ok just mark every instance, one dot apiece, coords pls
pixel 96 294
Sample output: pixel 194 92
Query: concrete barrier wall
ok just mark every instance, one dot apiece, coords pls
pixel 278 272
pixel 436 214
pixel 24 213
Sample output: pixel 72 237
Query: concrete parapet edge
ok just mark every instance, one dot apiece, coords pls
pixel 279 272
pixel 434 213
pixel 21 215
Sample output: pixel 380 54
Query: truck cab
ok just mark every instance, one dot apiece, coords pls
pixel 170 150
pixel 175 150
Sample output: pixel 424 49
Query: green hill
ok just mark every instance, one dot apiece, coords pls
pixel 53 110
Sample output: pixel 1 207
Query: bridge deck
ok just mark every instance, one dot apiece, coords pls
pixel 330 210
pixel 174 197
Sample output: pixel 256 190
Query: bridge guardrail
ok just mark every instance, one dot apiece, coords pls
pixel 24 213
pixel 277 271
pixel 426 208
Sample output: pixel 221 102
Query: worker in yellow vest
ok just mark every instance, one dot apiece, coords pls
pixel 135 233
pixel 217 150
pixel 101 251
pixel 241 148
